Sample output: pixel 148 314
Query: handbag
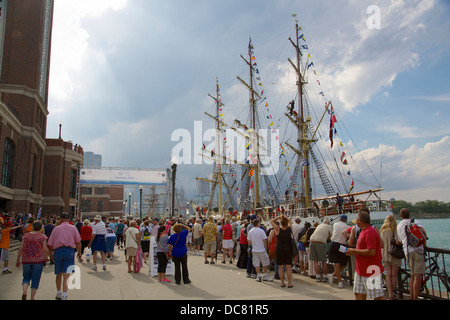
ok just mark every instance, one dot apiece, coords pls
pixel 395 249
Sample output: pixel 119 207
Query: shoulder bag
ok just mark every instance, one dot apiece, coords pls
pixel 395 249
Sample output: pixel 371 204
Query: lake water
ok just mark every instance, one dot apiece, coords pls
pixel 438 232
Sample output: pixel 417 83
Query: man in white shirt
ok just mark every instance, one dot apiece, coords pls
pixel 257 238
pixel 339 258
pixel 197 235
pixel 414 255
pixel 318 248
pixel 296 228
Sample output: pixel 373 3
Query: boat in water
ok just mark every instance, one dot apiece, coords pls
pixel 298 162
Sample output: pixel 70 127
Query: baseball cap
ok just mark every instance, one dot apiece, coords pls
pixel 343 217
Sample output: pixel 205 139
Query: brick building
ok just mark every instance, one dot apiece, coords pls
pixel 104 200
pixel 61 169
pixel 25 37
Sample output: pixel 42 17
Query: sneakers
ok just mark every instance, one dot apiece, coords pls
pixel 94 268
pixel 104 267
pixel 206 262
pixel 259 278
pixel 7 271
pixel 165 280
pixel 267 278
pixel 341 285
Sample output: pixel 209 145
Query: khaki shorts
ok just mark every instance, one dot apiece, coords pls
pixel 416 262
pixel 318 252
pixel 198 241
pixel 131 252
pixel 209 247
pixel 260 258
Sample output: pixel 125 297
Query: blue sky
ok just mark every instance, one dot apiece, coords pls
pixel 126 73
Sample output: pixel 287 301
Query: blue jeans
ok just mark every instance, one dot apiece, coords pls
pixel 32 274
pixel 64 257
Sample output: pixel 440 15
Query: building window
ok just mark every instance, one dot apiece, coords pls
pixel 86 190
pixel 33 173
pixel 86 206
pixel 99 206
pixel 8 162
pixel 73 183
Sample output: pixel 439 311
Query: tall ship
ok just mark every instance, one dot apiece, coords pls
pixel 286 151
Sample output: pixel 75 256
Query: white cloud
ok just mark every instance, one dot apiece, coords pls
pixel 415 174
pixel 70 43
pixel 366 60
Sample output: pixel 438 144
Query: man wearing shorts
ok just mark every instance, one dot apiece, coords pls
pixel 415 256
pixel 318 248
pixel 369 268
pixel 210 236
pixel 336 256
pixel 197 234
pixel 63 241
pixel 257 238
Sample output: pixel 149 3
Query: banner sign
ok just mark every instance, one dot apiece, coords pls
pixel 123 176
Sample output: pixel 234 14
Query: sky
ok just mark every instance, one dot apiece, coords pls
pixel 125 74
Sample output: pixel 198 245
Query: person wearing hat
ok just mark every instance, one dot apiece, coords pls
pixel 98 241
pixel 336 256
pixel 63 241
pixel 296 229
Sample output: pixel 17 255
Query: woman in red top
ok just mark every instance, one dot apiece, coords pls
pixel 86 235
pixel 33 251
pixel 227 241
pixel 243 244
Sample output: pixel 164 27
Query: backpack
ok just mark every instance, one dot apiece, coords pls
pixel 414 235
pixel 301 234
pixel 146 234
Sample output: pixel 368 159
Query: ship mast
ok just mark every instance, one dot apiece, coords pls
pixel 302 127
pixel 254 136
pixel 218 177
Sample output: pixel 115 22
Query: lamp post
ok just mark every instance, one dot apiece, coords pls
pixel 129 204
pixel 140 202
pixel 174 163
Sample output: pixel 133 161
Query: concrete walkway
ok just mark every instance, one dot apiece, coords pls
pixel 209 282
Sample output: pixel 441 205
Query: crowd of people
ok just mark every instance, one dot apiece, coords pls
pixel 281 245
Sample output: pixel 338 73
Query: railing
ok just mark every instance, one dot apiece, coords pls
pixel 436 283
pixel 293 209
